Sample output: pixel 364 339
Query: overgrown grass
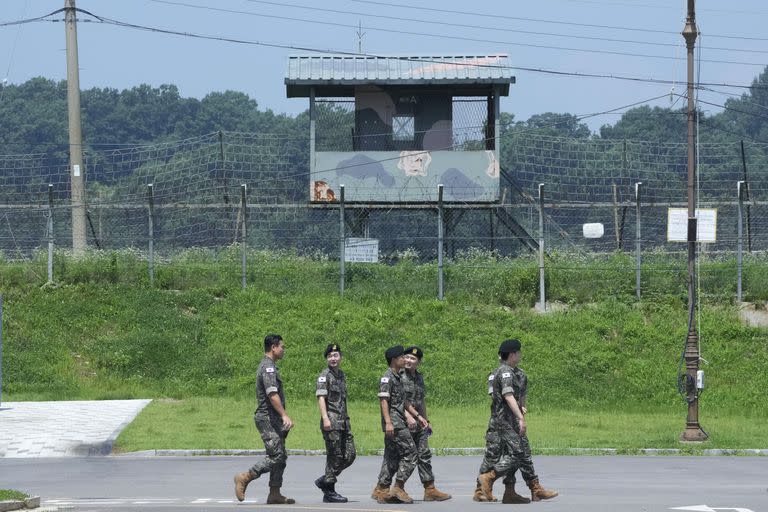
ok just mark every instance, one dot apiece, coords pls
pixel 10 494
pixel 226 423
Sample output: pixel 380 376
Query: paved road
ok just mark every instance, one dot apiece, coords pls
pixel 63 429
pixel 595 484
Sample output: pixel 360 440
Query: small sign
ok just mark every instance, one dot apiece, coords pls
pixel 593 230
pixel 76 170
pixel 361 250
pixel 706 224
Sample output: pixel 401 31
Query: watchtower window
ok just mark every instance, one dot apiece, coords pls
pixel 403 128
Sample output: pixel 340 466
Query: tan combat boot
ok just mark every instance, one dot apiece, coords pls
pixel 511 496
pixel 381 493
pixel 275 498
pixel 241 482
pixel 539 493
pixel 432 494
pixel 398 493
pixel 486 484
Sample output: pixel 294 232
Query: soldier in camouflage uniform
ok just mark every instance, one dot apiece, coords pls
pixel 334 424
pixel 415 393
pixel 272 422
pixel 508 449
pixel 400 453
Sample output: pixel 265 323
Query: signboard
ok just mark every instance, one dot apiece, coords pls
pixel 706 224
pixel 593 230
pixel 361 250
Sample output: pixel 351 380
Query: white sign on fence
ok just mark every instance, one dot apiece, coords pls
pixel 361 250
pixel 593 230
pixel 706 224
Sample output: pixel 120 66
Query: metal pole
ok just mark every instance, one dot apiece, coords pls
pixel 542 291
pixel 638 240
pixel 745 192
pixel 1 349
pixel 77 169
pixel 342 236
pixel 440 232
pixel 693 431
pixel 151 221
pixel 50 233
pixel 740 246
pixel 616 216
pixel 244 231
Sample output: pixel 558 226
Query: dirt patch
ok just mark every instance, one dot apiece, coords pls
pixel 752 315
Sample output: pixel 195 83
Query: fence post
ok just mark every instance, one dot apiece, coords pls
pixel 50 233
pixel 1 349
pixel 244 231
pixel 740 245
pixel 616 216
pixel 638 239
pixel 440 232
pixel 342 234
pixel 542 291
pixel 151 221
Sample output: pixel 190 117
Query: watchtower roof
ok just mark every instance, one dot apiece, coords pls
pixel 337 75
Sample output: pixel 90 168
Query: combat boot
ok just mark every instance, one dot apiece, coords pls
pixel 398 493
pixel 432 494
pixel 486 484
pixel 332 496
pixel 241 482
pixel 539 493
pixel 511 496
pixel 381 493
pixel 322 485
pixel 275 498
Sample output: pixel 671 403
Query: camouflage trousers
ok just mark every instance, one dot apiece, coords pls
pixel 400 457
pixel 424 455
pixel 274 444
pixel 339 453
pixel 506 451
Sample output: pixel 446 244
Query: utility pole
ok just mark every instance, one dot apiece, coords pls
pixel 360 35
pixel 76 167
pixel 693 431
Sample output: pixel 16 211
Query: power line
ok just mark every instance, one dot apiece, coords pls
pixel 462 38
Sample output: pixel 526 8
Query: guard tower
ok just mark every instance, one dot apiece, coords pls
pixel 392 128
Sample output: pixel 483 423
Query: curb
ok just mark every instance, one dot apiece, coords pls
pixel 29 503
pixel 464 451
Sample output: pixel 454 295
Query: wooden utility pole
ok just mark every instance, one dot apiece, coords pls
pixel 76 167
pixel 693 431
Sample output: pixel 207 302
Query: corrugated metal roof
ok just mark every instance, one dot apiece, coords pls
pixel 397 69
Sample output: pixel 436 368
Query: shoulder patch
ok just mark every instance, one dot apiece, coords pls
pixel 505 375
pixel 491 377
pixel 269 369
pixel 384 380
pixel 321 379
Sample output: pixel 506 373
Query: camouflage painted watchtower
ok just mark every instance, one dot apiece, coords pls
pixel 390 129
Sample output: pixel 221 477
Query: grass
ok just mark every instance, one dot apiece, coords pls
pixel 10 494
pixel 225 423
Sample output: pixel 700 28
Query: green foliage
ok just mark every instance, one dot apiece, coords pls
pixel 10 494
pixel 103 332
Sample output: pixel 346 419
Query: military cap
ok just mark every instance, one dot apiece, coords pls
pixel 415 351
pixel 393 352
pixel 509 346
pixel 332 347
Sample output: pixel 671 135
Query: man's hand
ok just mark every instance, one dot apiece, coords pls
pixel 523 427
pixel 389 430
pixel 411 422
pixel 525 411
pixel 326 424
pixel 423 422
pixel 287 423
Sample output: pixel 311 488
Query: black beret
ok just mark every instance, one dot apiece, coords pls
pixel 509 346
pixel 393 352
pixel 332 347
pixel 416 351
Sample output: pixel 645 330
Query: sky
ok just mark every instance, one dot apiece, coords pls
pixel 621 38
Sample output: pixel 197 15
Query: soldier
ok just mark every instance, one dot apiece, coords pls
pixel 506 441
pixel 272 422
pixel 334 424
pixel 399 449
pixel 415 393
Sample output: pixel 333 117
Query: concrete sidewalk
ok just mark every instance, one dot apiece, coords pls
pixel 64 429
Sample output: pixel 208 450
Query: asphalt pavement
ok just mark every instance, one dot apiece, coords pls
pixel 589 483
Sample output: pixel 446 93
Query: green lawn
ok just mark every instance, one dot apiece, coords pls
pixel 222 423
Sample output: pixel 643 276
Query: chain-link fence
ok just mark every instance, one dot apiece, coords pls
pixel 207 192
